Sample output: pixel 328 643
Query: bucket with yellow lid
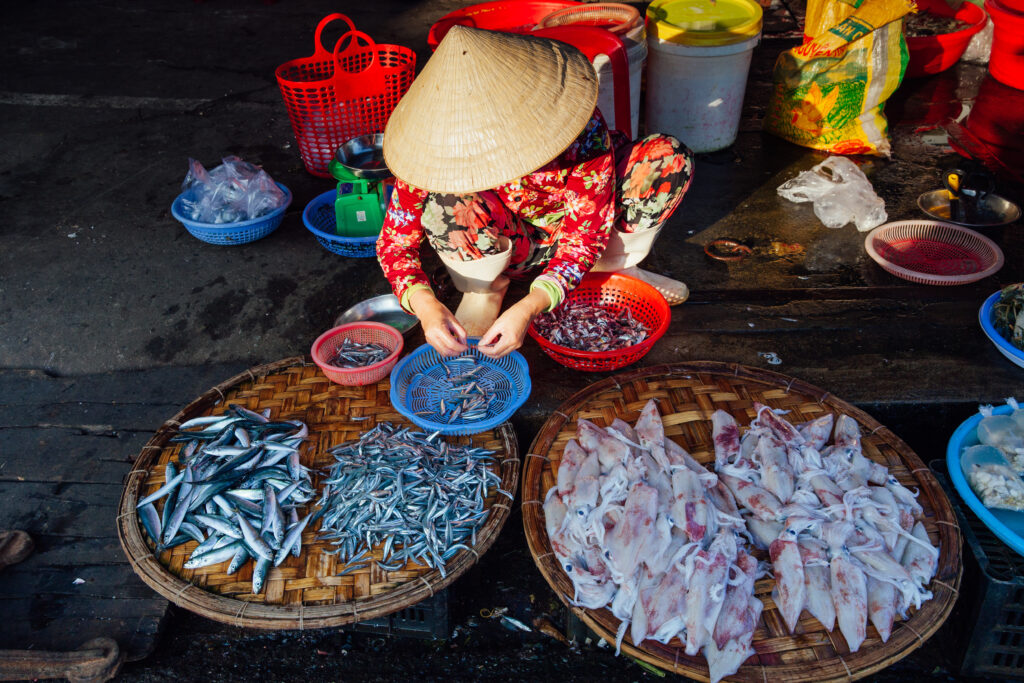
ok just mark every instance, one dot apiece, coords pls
pixel 698 59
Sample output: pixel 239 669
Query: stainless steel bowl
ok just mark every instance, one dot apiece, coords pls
pixel 382 309
pixel 993 210
pixel 363 157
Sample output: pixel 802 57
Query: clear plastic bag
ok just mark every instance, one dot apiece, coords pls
pixel 232 192
pixel 841 193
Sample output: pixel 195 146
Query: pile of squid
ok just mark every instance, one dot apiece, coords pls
pixel 673 548
pixel 238 493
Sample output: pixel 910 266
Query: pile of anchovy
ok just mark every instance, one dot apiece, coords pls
pixel 422 498
pixel 461 394
pixel 355 355
pixel 238 495
pixel 589 327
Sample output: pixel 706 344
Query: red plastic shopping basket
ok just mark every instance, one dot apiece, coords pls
pixel 334 96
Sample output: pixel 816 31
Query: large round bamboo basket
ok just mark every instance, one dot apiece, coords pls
pixel 302 592
pixel 687 395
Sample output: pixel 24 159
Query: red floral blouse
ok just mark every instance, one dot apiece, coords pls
pixel 569 202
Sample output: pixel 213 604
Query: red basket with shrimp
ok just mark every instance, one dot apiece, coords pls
pixel 617 294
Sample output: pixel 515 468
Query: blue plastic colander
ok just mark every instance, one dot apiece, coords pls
pixel 233 233
pixel 319 219
pixel 418 384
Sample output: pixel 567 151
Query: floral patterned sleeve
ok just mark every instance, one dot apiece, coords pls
pixel 398 247
pixel 589 210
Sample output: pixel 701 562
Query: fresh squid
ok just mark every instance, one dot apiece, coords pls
pixel 644 529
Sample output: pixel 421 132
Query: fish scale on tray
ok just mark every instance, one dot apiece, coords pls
pixel 642 527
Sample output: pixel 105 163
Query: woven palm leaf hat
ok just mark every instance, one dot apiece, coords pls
pixel 488 108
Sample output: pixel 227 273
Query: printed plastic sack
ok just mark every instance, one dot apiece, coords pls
pixel 841 193
pixel 232 192
pixel 829 92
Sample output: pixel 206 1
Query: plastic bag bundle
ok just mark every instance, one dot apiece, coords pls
pixel 841 193
pixel 830 91
pixel 232 192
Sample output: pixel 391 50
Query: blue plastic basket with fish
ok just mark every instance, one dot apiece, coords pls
pixel 239 232
pixel 462 395
pixel 320 220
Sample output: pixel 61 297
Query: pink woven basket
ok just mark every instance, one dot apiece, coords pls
pixel 365 332
pixel 933 252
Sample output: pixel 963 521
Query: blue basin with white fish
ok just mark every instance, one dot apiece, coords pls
pixel 1007 525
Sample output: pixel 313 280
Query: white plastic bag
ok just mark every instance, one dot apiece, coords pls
pixel 841 193
pixel 232 192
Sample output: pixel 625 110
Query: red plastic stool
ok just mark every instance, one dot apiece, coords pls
pixel 593 41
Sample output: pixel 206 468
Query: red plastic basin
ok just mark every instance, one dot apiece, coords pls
pixel 511 16
pixel 932 54
pixel 1006 63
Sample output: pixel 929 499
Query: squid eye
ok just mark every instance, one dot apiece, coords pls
pixel 568 568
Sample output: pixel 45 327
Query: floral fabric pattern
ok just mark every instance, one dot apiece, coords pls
pixel 557 218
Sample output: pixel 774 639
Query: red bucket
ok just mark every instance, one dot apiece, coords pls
pixel 510 16
pixel 1006 63
pixel 932 54
pixel 334 96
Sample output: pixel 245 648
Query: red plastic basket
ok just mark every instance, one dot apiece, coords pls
pixel 932 54
pixel 334 96
pixel 366 332
pixel 613 291
pixel 933 252
pixel 509 16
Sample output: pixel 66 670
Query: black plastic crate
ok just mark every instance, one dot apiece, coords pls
pixel 426 619
pixel 989 616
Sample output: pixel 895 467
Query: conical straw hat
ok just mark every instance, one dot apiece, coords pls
pixel 488 108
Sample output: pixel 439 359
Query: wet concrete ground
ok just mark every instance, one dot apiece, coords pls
pixel 103 104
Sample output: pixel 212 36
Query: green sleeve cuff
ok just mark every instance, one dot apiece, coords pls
pixel 553 291
pixel 404 301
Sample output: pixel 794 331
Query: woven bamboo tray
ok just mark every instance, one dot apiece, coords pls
pixel 687 395
pixel 302 592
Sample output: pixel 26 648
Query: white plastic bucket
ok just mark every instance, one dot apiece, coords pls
pixel 636 55
pixel 695 93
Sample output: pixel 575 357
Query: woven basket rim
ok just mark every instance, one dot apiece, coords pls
pixel 907 635
pixel 240 612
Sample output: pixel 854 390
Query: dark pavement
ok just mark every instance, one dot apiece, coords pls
pixel 112 317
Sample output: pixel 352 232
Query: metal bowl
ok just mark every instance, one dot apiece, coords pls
pixel 993 210
pixel 382 309
pixel 363 157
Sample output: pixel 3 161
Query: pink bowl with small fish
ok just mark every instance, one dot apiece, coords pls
pixel 326 347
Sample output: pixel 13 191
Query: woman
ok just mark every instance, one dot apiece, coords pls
pixel 505 165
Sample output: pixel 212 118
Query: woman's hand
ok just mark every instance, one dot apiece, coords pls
pixel 442 330
pixel 509 330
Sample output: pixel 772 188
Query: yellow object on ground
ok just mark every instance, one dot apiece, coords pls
pixel 829 92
